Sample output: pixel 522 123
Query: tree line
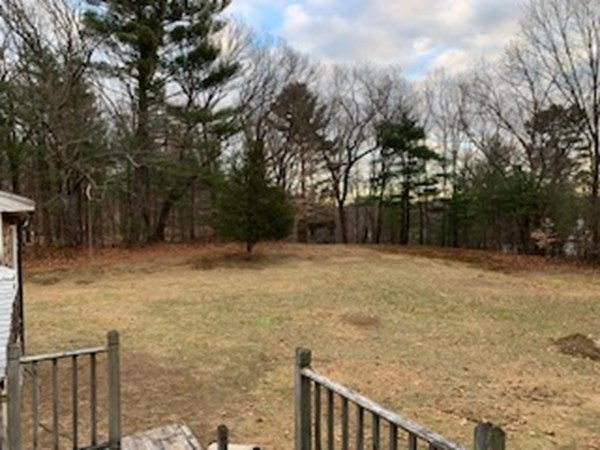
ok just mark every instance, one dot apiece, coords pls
pixel 140 121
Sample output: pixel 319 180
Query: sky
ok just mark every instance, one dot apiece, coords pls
pixel 417 35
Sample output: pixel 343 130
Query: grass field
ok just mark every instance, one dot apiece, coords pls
pixel 209 337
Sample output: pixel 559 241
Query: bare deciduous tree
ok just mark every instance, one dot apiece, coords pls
pixel 361 97
pixel 563 38
pixel 58 114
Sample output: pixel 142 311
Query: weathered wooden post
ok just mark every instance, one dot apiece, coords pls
pixel 302 401
pixel 489 437
pixel 114 392
pixel 222 437
pixel 13 370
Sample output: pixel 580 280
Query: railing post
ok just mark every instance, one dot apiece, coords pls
pixel 222 437
pixel 302 401
pixel 14 396
pixel 489 437
pixel 114 392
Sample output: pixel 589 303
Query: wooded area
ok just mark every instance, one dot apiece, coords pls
pixel 125 121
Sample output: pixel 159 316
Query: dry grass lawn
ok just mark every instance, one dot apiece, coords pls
pixel 209 337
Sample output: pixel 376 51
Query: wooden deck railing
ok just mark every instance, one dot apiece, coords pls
pixel 310 434
pixel 18 366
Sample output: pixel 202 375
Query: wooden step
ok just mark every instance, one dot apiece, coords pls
pixel 235 447
pixel 172 437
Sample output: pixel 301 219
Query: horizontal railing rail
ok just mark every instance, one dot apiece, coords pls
pixel 63 355
pixel 311 387
pixel 412 428
pixel 68 392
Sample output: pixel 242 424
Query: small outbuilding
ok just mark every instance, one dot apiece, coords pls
pixel 15 212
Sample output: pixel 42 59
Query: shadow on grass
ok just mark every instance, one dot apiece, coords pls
pixel 45 279
pixel 240 261
pixel 361 320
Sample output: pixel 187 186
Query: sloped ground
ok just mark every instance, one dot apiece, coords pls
pixel 209 336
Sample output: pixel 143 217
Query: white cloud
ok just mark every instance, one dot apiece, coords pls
pixel 415 34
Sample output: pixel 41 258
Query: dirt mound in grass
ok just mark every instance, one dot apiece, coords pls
pixel 579 345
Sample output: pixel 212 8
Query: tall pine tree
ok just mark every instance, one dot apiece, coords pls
pixel 404 158
pixel 159 48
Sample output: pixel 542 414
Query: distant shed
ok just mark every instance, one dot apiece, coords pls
pixel 15 211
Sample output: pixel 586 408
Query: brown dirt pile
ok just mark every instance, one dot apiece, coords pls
pixel 578 345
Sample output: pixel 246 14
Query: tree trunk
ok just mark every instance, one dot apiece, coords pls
pixel 422 223
pixel 71 214
pixel 138 220
pixel 405 230
pixel 193 212
pixel 90 228
pixel 139 201
pixel 380 201
pixel 595 199
pixel 45 192
pixel 343 222
pixel 161 224
pixel 379 218
pixel 15 177
pixel 174 196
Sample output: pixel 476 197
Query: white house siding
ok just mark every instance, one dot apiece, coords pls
pixel 8 293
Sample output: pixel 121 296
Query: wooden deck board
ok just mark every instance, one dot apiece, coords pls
pixel 172 437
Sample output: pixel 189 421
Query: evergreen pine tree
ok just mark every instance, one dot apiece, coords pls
pixel 250 208
pixel 402 146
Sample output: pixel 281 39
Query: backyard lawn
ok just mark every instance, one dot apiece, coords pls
pixel 209 337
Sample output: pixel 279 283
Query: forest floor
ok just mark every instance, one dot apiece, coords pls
pixel 446 338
